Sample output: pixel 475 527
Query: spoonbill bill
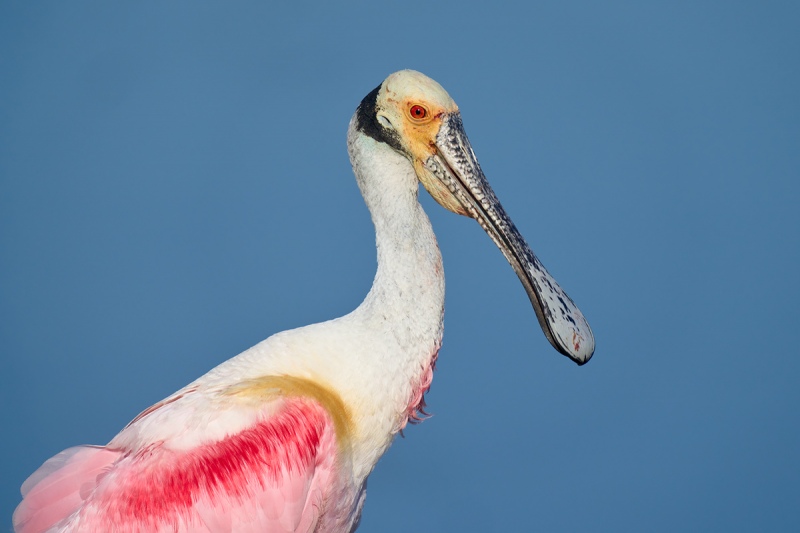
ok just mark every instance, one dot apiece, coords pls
pixel 283 436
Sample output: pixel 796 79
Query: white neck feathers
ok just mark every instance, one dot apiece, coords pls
pixel 408 290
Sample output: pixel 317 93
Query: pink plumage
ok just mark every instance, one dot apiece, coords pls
pixel 272 476
pixel 60 486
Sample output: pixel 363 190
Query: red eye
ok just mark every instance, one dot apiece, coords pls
pixel 418 112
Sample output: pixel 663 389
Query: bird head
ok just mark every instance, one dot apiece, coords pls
pixel 414 115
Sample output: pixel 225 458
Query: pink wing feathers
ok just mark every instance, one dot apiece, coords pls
pixel 60 485
pixel 282 473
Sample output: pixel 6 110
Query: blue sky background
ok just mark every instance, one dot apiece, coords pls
pixel 174 187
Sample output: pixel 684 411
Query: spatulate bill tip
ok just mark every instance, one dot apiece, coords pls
pixel 575 341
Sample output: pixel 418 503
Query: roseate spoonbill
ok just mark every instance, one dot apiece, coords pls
pixel 283 436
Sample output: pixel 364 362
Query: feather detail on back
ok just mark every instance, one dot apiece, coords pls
pixel 279 474
pixel 60 486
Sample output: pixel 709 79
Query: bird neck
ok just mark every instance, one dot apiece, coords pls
pixel 408 290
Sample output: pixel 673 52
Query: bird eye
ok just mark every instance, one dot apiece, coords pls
pixel 418 112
